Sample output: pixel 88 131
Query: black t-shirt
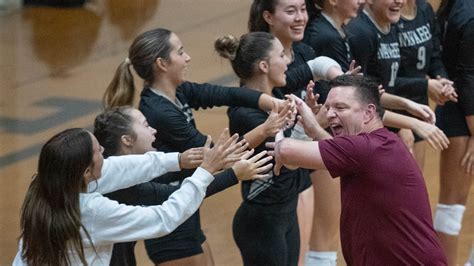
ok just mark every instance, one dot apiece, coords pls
pixel 174 123
pixel 276 190
pixel 376 51
pixel 419 50
pixel 379 55
pixel 176 130
pixel 325 39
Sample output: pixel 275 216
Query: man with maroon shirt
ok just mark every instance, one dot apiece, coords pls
pixel 386 215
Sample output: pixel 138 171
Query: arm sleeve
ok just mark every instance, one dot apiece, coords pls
pixel 361 42
pixel 436 67
pixel 320 65
pixel 410 87
pixel 208 95
pixel 154 193
pixel 297 77
pixel 465 68
pixel 120 172
pixel 299 74
pixel 113 222
pixel 222 181
pixel 146 194
pixel 243 120
pixel 343 156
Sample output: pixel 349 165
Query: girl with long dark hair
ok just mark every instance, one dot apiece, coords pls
pixel 66 220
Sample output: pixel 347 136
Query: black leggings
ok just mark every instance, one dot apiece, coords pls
pixel 266 234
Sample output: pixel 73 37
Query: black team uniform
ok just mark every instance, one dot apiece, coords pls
pixel 419 50
pixel 420 53
pixel 378 54
pixel 458 58
pixel 322 35
pixel 265 226
pixel 302 73
pixel 176 132
pixel 375 51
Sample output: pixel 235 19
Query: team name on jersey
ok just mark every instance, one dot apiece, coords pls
pixel 388 51
pixel 415 37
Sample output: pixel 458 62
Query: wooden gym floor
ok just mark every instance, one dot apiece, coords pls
pixel 56 63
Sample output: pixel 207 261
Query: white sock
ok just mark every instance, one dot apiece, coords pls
pixel 470 261
pixel 316 258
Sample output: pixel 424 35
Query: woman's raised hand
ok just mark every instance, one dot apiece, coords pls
pixel 191 158
pixel 277 119
pixel 287 106
pixel 257 167
pixel 353 69
pixel 222 154
pixel 240 149
pixel 311 99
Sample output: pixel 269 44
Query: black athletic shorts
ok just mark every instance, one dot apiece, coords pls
pixel 184 242
pixel 451 119
pixel 267 234
pixel 305 181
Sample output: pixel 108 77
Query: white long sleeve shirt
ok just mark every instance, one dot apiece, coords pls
pixel 108 222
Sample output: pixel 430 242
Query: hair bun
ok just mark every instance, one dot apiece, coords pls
pixel 227 46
